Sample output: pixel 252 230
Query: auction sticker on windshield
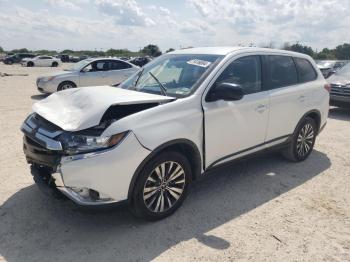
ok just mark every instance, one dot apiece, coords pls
pixel 199 62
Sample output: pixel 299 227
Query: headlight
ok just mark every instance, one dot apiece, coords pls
pixel 75 143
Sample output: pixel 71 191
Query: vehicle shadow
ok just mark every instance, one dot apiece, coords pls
pixel 39 97
pixel 339 113
pixel 37 228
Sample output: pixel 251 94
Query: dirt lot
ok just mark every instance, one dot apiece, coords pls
pixel 263 209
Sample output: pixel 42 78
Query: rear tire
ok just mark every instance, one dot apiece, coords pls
pixel 54 64
pixel 161 186
pixel 303 141
pixel 9 62
pixel 65 85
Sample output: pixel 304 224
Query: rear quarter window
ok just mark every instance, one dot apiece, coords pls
pixel 306 71
pixel 282 71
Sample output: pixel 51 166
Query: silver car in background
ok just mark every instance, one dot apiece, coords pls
pixel 88 72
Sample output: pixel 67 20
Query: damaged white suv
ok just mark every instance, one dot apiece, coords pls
pixel 183 114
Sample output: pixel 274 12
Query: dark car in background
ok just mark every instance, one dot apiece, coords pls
pixel 340 87
pixel 17 58
pixel 140 61
pixel 329 67
pixel 64 58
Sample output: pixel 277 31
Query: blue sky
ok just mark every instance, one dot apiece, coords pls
pixel 103 24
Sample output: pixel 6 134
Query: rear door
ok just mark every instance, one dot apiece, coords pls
pixel 288 97
pixel 236 128
pixel 119 71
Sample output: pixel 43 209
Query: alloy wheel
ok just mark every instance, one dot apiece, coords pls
pixel 305 140
pixel 164 186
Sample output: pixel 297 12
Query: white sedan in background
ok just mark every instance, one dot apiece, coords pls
pixel 88 72
pixel 41 61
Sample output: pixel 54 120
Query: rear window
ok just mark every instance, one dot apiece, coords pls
pixel 282 71
pixel 306 72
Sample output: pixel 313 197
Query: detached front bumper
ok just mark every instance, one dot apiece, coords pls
pixel 95 178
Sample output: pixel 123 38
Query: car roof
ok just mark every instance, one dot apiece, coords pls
pixel 226 50
pixel 107 58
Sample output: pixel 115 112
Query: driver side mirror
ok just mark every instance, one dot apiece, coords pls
pixel 226 92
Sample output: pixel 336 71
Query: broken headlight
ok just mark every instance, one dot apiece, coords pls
pixel 78 143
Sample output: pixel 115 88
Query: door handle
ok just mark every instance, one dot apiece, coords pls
pixel 260 108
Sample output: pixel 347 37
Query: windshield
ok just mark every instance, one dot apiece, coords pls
pixel 344 71
pixel 177 74
pixel 78 66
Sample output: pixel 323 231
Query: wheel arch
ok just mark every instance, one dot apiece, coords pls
pixel 66 81
pixel 315 115
pixel 184 146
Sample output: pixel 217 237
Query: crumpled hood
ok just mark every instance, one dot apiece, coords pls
pixel 80 108
pixel 339 79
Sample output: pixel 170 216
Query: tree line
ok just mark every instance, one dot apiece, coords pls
pixel 341 52
pixel 149 50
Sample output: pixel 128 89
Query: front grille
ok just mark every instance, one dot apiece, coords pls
pixel 44 124
pixel 340 90
pixel 39 155
pixel 42 132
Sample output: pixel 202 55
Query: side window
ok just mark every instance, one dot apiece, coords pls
pixel 306 71
pixel 118 65
pixel 246 72
pixel 99 66
pixel 282 71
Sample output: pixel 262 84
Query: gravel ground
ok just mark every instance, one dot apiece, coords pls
pixel 262 209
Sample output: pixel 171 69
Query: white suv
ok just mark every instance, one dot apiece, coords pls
pixel 183 114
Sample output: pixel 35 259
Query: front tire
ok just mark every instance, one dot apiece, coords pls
pixel 65 85
pixel 162 186
pixel 30 64
pixel 54 64
pixel 303 141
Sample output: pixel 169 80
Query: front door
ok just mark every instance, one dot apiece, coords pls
pixel 94 74
pixel 235 128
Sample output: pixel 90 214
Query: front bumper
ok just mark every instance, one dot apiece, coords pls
pixel 96 178
pixel 340 95
pixel 46 87
pixel 339 98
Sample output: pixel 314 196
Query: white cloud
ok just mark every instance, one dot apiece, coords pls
pixel 70 4
pixel 131 24
pixel 160 9
pixel 314 22
pixel 125 12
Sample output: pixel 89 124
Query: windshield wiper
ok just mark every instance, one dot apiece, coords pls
pixel 162 87
pixel 139 76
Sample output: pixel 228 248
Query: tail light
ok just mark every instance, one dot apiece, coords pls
pixel 327 87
